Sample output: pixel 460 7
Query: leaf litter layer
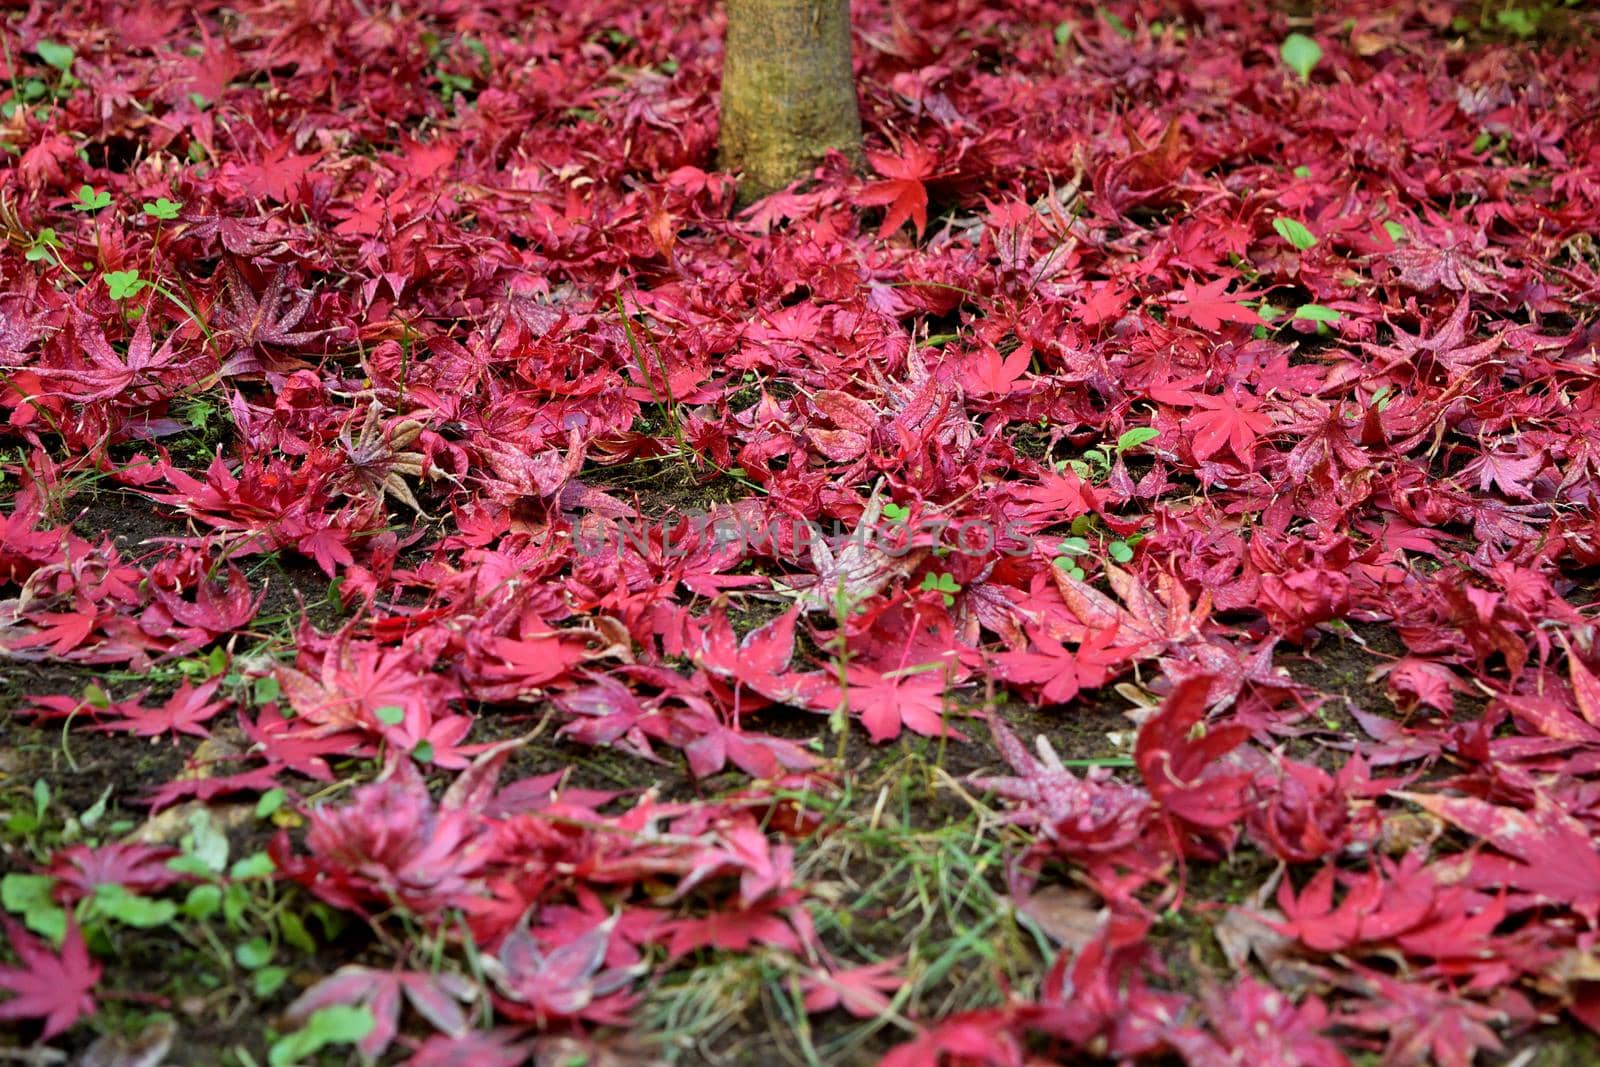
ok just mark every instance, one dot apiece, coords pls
pixel 1114 580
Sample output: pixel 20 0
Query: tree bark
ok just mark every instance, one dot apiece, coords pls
pixel 788 90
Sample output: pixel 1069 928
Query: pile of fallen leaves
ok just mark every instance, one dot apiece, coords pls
pixel 1160 344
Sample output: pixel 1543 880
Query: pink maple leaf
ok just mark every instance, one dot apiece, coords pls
pixel 1225 421
pixel 885 703
pixel 55 988
pixel 185 712
pixel 902 189
pixel 1177 757
pixel 861 991
pixel 1546 851
pixel 1208 306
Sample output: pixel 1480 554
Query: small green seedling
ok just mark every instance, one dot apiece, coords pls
pixel 91 199
pixel 31 896
pixel 1301 54
pixel 338 1024
pixel 59 56
pixel 269 802
pixel 43 247
pixel 1295 233
pixel 1316 313
pixel 123 284
pixel 130 909
pixel 163 209
pixel 1069 549
pixel 1075 547
pixel 1096 462
pixel 1517 20
pixel 943 584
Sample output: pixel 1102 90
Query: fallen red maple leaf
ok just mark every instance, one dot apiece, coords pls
pixel 1177 756
pixel 1257 1024
pixel 979 1037
pixel 277 174
pixel 58 988
pixel 1545 851
pixel 438 998
pixel 1424 1025
pixel 185 712
pixel 1208 306
pixel 1374 908
pixel 1225 421
pixel 861 991
pixel 884 703
pixel 80 869
pixel 902 189
pixel 570 981
pixel 989 373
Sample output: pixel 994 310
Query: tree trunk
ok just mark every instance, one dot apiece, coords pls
pixel 788 90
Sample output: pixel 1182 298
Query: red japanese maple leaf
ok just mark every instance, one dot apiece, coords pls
pixel 1257 1024
pixel 63 631
pixel 1546 851
pixel 886 702
pixel 328 547
pixel 535 658
pixel 1450 344
pixel 1210 305
pixel 268 320
pixel 1424 1024
pixel 288 742
pixel 420 161
pixel 902 189
pixel 501 1047
pixel 988 373
pixel 1225 421
pixel 1060 496
pixel 1413 681
pixel 55 988
pixel 1106 301
pixel 391 840
pixel 977 1037
pixel 1059 672
pixel 760 660
pixel 1146 621
pixel 1508 473
pixel 217 608
pixel 1375 908
pixel 1177 757
pixel 276 173
pixel 862 991
pixel 758 755
pixel 1081 817
pixel 1444 254
pixel 435 997
pixel 142 868
pixel 364 216
pixel 1303 813
pixel 365 686
pixel 772 922
pixel 258 780
pixel 570 981
pixel 1585 690
pixel 109 375
pixel 1047 664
